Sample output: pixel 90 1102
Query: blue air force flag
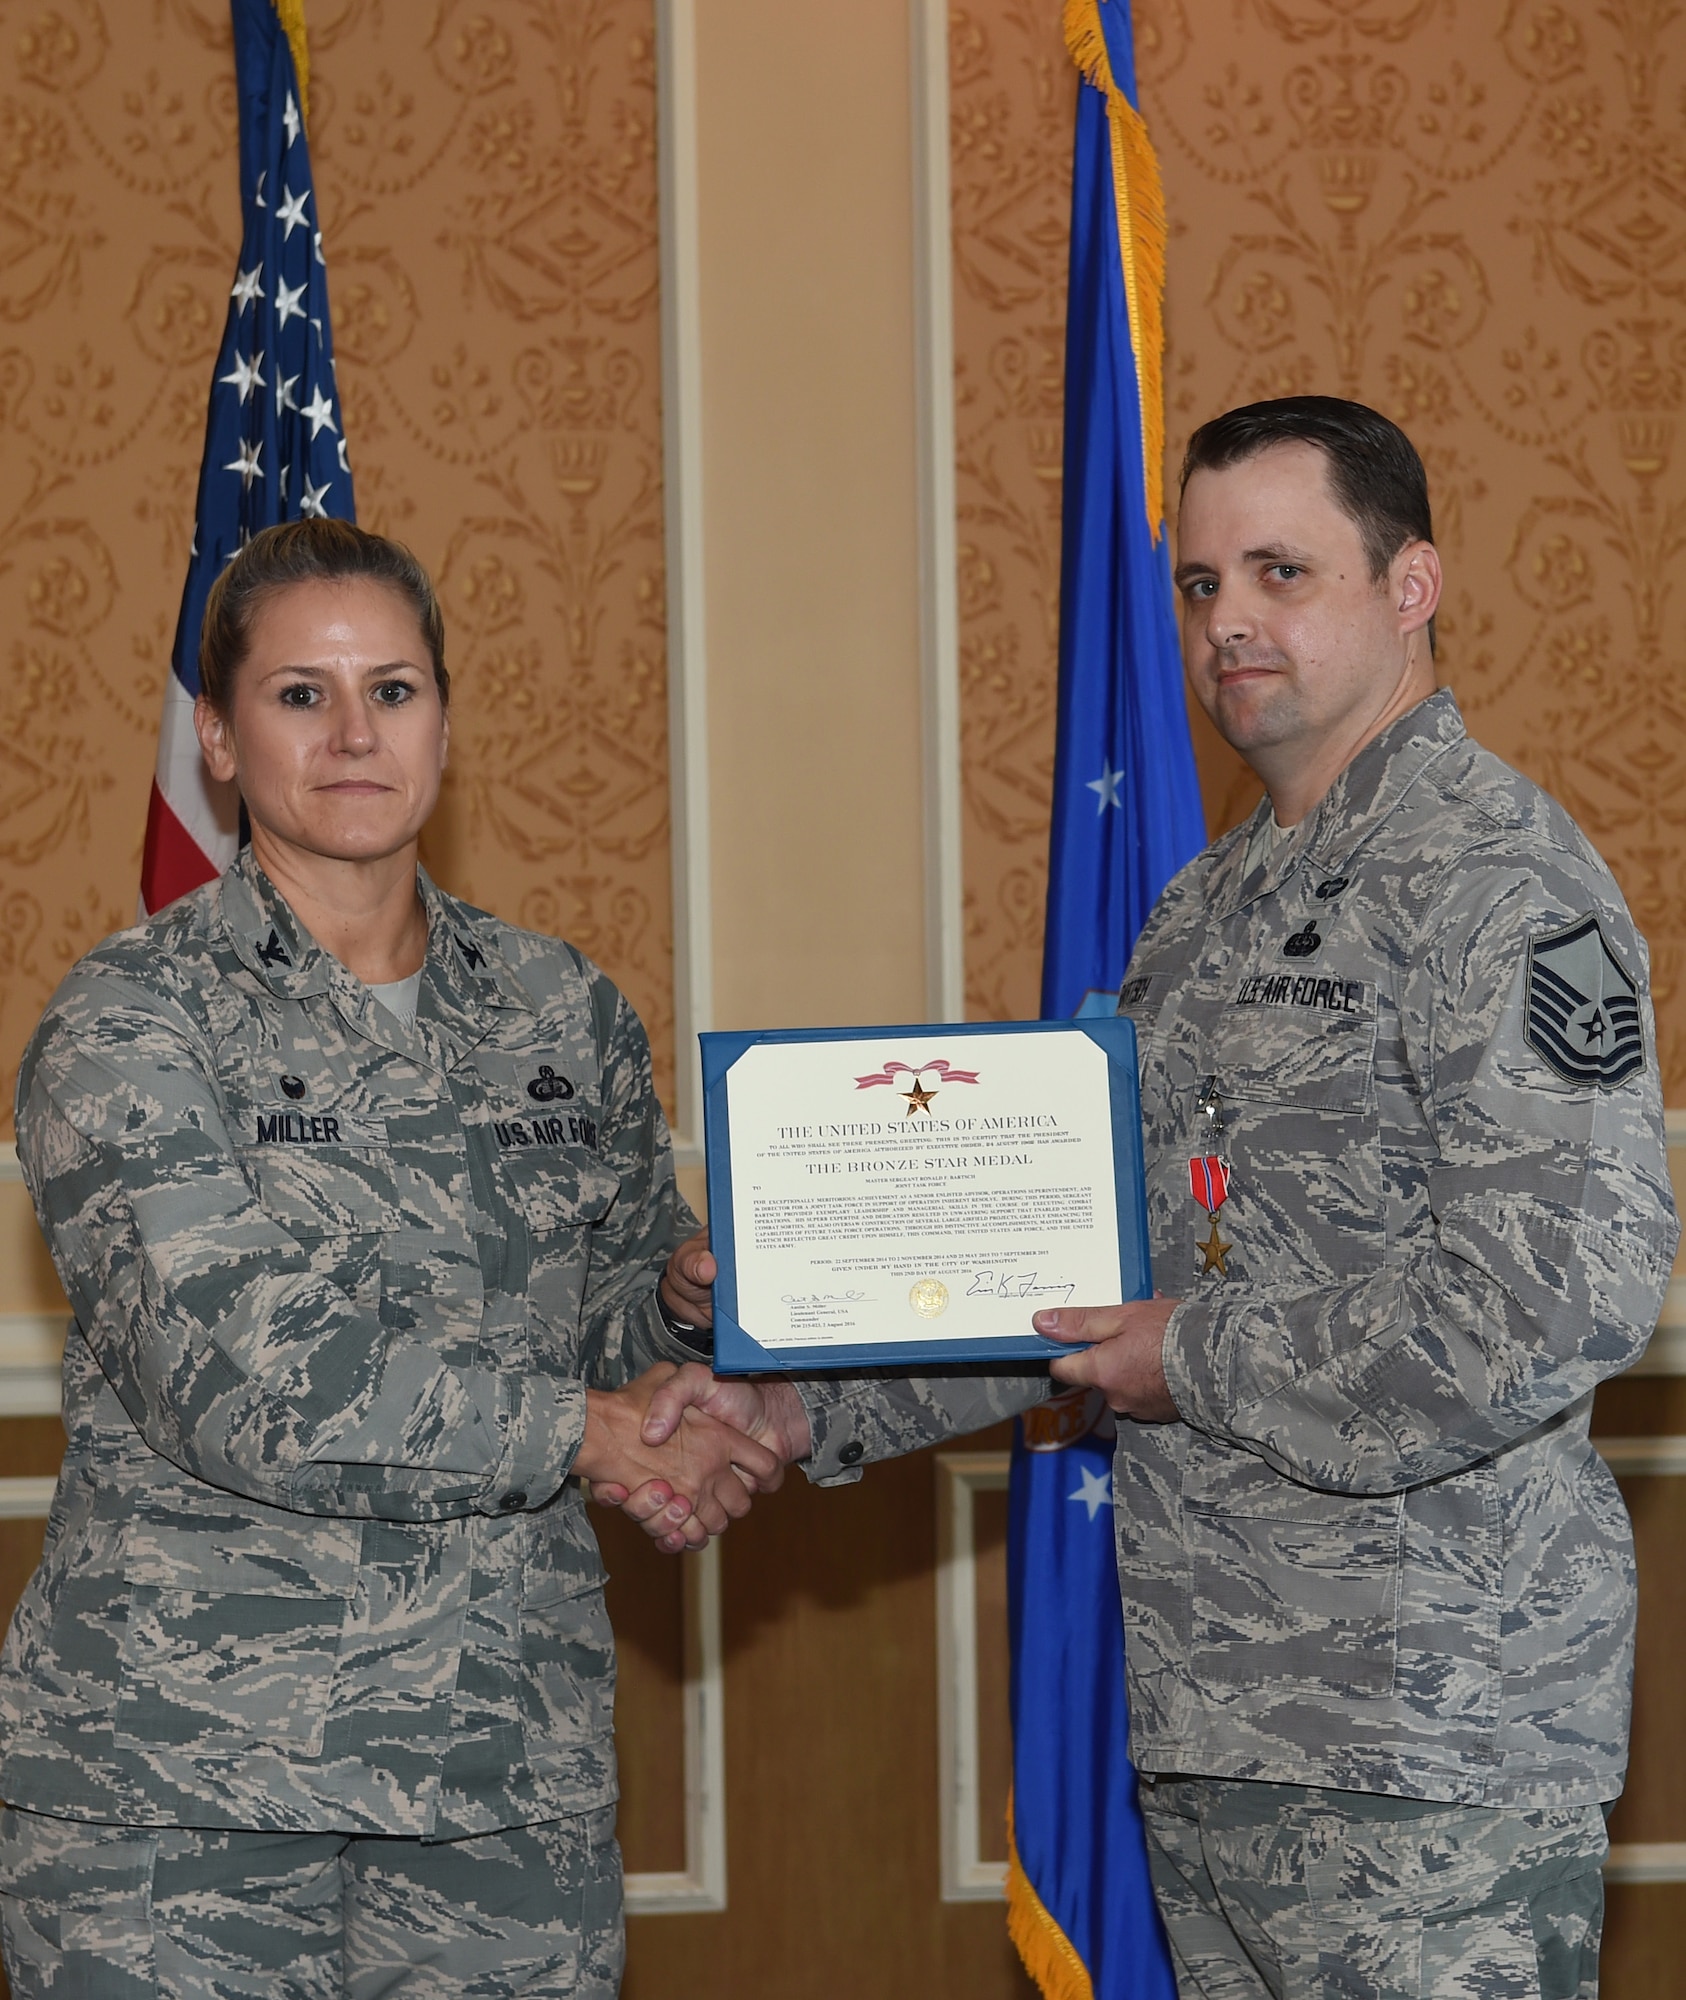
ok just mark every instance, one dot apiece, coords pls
pixel 1126 816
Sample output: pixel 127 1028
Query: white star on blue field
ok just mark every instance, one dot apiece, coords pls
pixel 1105 787
pixel 1095 1492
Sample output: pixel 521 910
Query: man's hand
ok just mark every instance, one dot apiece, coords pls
pixel 698 1475
pixel 1125 1362
pixel 766 1414
pixel 687 1283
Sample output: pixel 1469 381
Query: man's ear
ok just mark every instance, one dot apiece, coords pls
pixel 216 740
pixel 1416 582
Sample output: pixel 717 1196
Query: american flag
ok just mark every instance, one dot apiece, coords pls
pixel 274 441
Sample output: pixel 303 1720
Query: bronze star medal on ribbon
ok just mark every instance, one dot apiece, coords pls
pixel 1208 1180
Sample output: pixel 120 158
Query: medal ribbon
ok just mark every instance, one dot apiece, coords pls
pixel 1208 1180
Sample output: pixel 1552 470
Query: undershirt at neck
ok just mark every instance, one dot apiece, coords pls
pixel 1268 836
pixel 399 996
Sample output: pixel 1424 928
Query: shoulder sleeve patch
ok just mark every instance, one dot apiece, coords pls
pixel 1581 1013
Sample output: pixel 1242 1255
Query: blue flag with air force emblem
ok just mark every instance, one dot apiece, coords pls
pixel 1582 1010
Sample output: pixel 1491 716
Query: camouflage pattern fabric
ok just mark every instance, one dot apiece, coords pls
pixel 1301 1894
pixel 1379 1552
pixel 339 1285
pixel 859 1419
pixel 179 1913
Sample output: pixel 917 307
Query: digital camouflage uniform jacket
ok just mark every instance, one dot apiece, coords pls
pixel 339 1284
pixel 1379 1553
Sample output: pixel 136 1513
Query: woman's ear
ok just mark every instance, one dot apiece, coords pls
pixel 216 740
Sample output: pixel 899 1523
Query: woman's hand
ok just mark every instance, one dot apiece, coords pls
pixel 696 1476
pixel 768 1414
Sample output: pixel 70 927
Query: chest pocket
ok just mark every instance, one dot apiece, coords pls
pixel 545 1137
pixel 1308 1042
pixel 320 1174
pixel 557 1187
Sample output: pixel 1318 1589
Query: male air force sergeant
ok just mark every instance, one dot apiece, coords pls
pixel 1409 1201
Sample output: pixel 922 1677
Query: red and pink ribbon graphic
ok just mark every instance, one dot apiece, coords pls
pixel 1208 1179
pixel 941 1067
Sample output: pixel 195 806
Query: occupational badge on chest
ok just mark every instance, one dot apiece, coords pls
pixel 1208 1179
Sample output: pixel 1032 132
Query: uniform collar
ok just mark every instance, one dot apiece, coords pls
pixel 465 980
pixel 1378 778
pixel 1364 795
pixel 267 938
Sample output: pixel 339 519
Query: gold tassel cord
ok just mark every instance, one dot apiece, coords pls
pixel 1048 1954
pixel 291 13
pixel 1146 201
pixel 1139 194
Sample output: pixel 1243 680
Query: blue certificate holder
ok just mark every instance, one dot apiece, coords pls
pixel 737 1350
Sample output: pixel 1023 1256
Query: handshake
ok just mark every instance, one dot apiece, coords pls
pixel 684 1453
pixel 680 1451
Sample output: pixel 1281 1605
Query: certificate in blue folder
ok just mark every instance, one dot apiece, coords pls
pixel 910 1196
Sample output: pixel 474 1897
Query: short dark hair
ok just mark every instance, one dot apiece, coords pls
pixel 1375 475
pixel 315 550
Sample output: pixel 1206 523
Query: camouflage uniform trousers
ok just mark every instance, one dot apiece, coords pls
pixel 1308 1894
pixel 94 1912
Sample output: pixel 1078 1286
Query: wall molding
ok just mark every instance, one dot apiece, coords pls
pixel 1647 1861
pixel 939 556
pixel 31 1355
pixel 701 1884
pixel 682 488
pixel 26 1499
pixel 1643 1457
pixel 967 1875
pixel 1666 1354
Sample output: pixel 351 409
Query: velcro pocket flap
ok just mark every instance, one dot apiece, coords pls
pixel 317 1182
pixel 1319 1054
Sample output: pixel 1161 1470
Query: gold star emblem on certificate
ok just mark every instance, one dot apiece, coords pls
pixel 918 1099
pixel 1216 1252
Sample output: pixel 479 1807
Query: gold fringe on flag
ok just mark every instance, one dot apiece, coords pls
pixel 292 23
pixel 1140 197
pixel 1048 1954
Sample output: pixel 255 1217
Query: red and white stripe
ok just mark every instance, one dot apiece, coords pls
pixel 1208 1181
pixel 192 822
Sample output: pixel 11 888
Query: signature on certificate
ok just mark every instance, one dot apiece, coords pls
pixel 823 1298
pixel 1019 1285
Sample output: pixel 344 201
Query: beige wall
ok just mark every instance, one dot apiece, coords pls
pixel 811 566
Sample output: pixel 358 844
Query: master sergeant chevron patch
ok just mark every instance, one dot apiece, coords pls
pixel 1581 1014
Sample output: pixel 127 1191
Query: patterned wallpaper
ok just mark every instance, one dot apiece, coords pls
pixel 486 174
pixel 1470 215
pixel 1012 89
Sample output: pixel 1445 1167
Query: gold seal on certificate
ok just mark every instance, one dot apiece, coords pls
pixel 880 1195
